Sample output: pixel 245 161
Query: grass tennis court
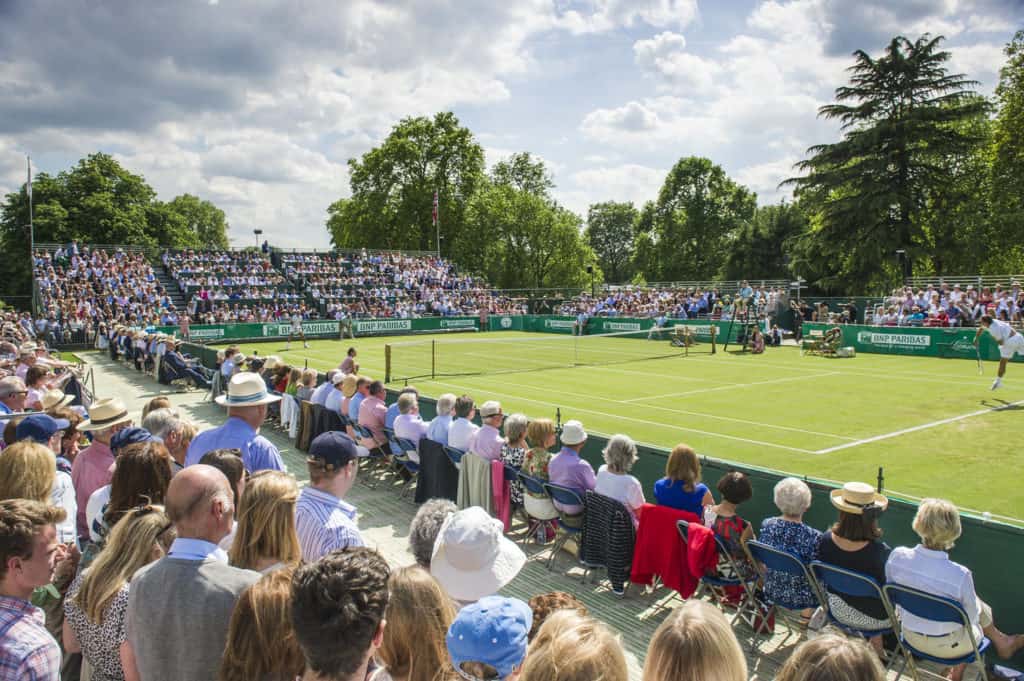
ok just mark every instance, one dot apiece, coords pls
pixel 932 423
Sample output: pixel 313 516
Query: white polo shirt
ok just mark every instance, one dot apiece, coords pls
pixel 932 571
pixel 999 330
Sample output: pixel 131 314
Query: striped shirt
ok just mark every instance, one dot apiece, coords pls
pixel 324 523
pixel 27 650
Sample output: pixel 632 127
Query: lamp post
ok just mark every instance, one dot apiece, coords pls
pixel 257 232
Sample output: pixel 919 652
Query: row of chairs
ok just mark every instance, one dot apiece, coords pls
pixel 825 579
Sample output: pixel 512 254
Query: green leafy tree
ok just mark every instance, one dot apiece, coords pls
pixel 520 171
pixel 1006 187
pixel 393 189
pixel 762 244
pixel 645 253
pixel 205 224
pixel 898 118
pixel 610 233
pixel 697 217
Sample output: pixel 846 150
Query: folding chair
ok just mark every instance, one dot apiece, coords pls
pixel 718 585
pixel 454 455
pixel 936 609
pixel 843 582
pixel 787 563
pixel 568 497
pixel 402 457
pixel 540 512
pixel 376 456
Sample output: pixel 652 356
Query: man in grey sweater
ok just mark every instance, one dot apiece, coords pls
pixel 179 606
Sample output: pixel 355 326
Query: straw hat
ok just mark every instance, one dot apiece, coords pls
pixel 271 362
pixel 246 389
pixel 854 497
pixel 348 385
pixel 54 399
pixel 105 413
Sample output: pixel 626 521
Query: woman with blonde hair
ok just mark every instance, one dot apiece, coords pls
pixel 540 433
pixel 695 642
pixel 96 604
pixel 266 539
pixel 27 471
pixel 419 613
pixel 681 487
pixel 261 643
pixel 571 647
pixel 832 658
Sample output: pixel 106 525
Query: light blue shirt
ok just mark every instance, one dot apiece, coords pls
pixel 353 406
pixel 333 401
pixel 196 549
pixel 391 415
pixel 438 428
pixel 258 453
pixel 324 523
pixel 319 395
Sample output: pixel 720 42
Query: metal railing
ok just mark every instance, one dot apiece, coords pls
pixel 723 286
pixel 978 281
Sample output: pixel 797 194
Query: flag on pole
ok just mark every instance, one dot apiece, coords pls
pixel 28 186
pixel 435 208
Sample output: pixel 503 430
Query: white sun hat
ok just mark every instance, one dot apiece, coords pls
pixel 472 557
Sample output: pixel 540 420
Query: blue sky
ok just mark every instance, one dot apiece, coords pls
pixel 257 105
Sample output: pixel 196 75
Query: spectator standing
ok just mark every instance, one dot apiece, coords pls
pixel 569 470
pixel 831 658
pixel 324 521
pixel 338 606
pixel 247 400
pixel 29 554
pixel 179 607
pixel 462 429
pixel 46 431
pixel 487 441
pixel 93 467
pixel 441 423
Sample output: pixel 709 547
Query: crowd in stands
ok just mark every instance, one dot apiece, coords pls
pixel 946 305
pixel 158 551
pixel 83 289
pixel 680 303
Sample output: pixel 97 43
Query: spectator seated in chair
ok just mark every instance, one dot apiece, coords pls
pixel 613 478
pixel 789 533
pixel 681 487
pixel 729 527
pixel 569 470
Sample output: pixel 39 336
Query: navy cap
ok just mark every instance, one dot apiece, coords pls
pixel 39 428
pixel 333 449
pixel 129 436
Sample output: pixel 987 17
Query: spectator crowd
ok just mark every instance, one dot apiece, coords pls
pixel 944 305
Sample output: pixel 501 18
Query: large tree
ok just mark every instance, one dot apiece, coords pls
pixel 609 232
pixel 898 115
pixel 762 245
pixel 698 215
pixel 393 189
pixel 1006 188
pixel 205 222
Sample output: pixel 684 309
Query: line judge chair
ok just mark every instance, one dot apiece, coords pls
pixel 937 609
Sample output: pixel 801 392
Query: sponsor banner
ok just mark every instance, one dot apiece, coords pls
pixel 559 323
pixel 325 327
pixel 886 338
pixel 506 322
pixel 920 341
pixel 458 323
pixel 200 332
pixel 622 326
pixel 382 325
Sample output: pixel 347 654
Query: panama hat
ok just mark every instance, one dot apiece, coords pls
pixel 272 362
pixel 105 413
pixel 472 557
pixel 246 389
pixel 854 497
pixel 54 399
pixel 573 433
pixel 348 385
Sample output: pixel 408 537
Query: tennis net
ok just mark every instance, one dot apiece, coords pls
pixel 408 360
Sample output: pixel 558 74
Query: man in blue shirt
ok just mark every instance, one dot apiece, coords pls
pixel 324 521
pixel 393 411
pixel 246 399
pixel 334 395
pixel 362 390
pixel 438 428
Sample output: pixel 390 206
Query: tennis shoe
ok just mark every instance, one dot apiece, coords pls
pixel 996 384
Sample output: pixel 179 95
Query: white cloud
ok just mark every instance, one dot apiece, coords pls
pixel 664 55
pixel 627 182
pixel 603 15
pixel 979 62
pixel 764 178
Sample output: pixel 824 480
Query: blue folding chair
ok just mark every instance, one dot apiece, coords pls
pixel 936 609
pixel 454 455
pixel 568 497
pixel 537 507
pixel 402 457
pixel 833 579
pixel 376 455
pixel 719 583
pixel 787 563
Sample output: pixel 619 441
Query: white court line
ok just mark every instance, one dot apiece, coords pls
pixel 629 418
pixel 718 417
pixel 735 385
pixel 923 426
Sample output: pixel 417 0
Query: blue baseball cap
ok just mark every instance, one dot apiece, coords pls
pixel 333 450
pixel 39 428
pixel 494 631
pixel 129 436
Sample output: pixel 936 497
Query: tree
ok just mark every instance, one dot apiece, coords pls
pixel 521 172
pixel 697 217
pixel 898 118
pixel 761 248
pixel 1006 187
pixel 205 223
pixel 610 233
pixel 393 189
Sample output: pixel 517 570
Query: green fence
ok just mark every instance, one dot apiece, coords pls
pixel 326 328
pixel 904 340
pixel 701 328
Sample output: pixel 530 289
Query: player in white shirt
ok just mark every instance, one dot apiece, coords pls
pixel 296 329
pixel 1010 343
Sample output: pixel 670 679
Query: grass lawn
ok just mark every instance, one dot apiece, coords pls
pixel 932 423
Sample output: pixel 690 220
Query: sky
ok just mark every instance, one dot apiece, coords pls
pixel 258 105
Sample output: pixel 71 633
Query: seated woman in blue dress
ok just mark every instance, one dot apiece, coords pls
pixel 681 487
pixel 789 533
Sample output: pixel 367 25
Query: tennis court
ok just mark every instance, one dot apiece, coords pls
pixel 932 423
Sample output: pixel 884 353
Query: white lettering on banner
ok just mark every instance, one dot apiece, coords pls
pixel 197 333
pixel 312 328
pixel 559 324
pixel 506 322
pixel 890 339
pixel 457 323
pixel 700 329
pixel 622 326
pixel 383 325
pixel 962 345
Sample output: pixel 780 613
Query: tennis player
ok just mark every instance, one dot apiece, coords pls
pixel 296 329
pixel 1010 343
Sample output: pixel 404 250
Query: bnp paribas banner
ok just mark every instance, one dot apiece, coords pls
pixel 324 328
pixel 926 342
